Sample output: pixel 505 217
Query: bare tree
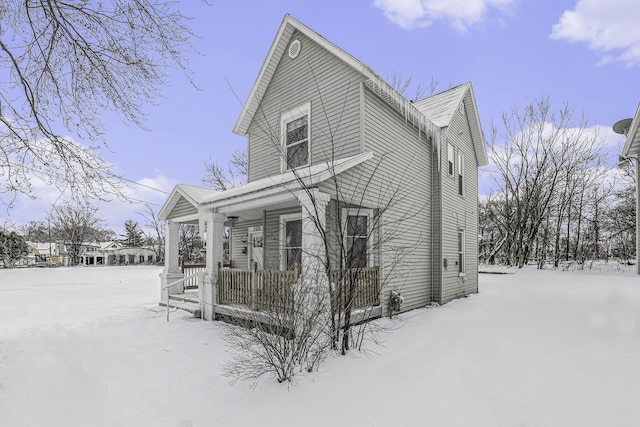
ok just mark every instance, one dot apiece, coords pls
pixel 68 62
pixel 78 223
pixel 220 178
pixel 331 304
pixel 402 85
pixel 155 233
pixel 546 162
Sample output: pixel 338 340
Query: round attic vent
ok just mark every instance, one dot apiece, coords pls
pixel 294 49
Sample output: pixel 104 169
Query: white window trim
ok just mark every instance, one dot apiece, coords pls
pixel 459 185
pixel 360 212
pixel 451 158
pixel 289 116
pixel 283 236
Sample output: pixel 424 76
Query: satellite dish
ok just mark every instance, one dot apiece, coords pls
pixel 622 126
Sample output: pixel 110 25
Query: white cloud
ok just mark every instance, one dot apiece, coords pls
pixel 608 26
pixel 462 14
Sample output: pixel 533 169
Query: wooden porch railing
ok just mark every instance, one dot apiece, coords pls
pixel 257 289
pixel 361 285
pixel 189 270
pixel 273 289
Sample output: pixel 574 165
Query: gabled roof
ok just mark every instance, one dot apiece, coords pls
pixel 441 107
pixel 279 47
pixel 281 183
pixel 194 195
pixel 632 144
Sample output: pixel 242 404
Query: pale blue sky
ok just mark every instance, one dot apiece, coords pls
pixel 585 53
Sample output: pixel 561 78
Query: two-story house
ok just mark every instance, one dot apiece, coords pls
pixel 344 174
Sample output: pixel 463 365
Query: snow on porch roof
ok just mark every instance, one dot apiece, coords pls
pixel 288 181
pixel 194 195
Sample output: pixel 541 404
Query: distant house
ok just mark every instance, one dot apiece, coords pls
pixel 46 253
pixel 343 169
pixel 115 253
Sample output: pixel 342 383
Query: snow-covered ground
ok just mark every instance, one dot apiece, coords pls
pixel 90 347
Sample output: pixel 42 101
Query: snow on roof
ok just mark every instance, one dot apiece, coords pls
pixel 440 108
pixel 310 176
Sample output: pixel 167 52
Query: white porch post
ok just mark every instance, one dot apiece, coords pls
pixel 171 271
pixel 215 254
pixel 314 208
pixel 637 213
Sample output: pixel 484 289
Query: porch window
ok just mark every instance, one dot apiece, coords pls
pixel 295 136
pixel 357 227
pixel 461 268
pixel 460 174
pixel 291 238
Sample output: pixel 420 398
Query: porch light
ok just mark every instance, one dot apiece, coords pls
pixel 232 219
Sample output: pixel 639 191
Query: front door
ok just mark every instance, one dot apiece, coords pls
pixel 255 243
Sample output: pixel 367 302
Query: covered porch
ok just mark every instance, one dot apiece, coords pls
pixel 275 229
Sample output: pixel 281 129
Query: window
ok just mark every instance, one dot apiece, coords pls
pixel 450 159
pixel 295 137
pixel 291 241
pixel 460 251
pixel 357 226
pixel 460 174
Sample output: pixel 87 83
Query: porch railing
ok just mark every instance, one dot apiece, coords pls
pixel 360 286
pixel 273 289
pixel 189 270
pixel 257 289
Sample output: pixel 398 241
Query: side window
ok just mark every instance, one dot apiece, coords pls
pixel 450 159
pixel 357 227
pixel 296 137
pixel 460 174
pixel 461 268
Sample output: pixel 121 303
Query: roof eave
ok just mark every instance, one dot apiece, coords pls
pixel 632 144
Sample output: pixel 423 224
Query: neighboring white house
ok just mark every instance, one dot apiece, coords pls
pixel 115 253
pixel 341 168
pixel 630 151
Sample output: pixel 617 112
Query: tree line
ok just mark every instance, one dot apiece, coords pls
pixel 555 199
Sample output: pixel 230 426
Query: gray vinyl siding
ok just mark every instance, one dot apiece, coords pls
pixel 332 88
pixel 239 243
pixel 182 208
pixel 460 212
pixel 402 159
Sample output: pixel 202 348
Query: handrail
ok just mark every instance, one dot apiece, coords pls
pixel 199 277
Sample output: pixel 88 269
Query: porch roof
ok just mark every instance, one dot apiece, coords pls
pixel 284 183
pixel 262 192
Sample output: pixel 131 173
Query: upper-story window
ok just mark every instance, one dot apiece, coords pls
pixel 450 158
pixel 460 174
pixel 296 137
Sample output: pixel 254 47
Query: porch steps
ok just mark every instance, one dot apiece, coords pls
pixel 188 302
